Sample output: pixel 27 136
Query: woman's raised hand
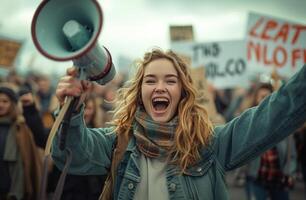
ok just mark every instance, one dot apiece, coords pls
pixel 70 85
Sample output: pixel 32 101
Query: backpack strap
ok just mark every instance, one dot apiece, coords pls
pixel 122 141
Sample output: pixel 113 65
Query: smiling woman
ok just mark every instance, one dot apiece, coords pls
pixel 161 144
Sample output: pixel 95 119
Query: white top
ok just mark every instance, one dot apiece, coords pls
pixel 153 184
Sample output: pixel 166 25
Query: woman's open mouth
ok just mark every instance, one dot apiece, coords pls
pixel 160 104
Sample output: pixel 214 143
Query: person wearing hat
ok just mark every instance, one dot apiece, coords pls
pixel 20 163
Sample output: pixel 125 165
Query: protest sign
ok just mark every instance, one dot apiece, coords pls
pixel 273 42
pixel 224 62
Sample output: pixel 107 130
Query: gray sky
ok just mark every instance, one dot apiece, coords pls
pixel 134 26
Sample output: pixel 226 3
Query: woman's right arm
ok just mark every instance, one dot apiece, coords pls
pixel 91 148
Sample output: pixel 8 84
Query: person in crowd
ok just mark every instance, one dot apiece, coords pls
pixel 93 112
pixel 161 144
pixel 32 116
pixel 46 100
pixel 222 99
pixel 44 92
pixel 300 138
pixel 270 176
pixel 20 161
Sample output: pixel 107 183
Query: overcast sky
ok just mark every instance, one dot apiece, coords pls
pixel 134 26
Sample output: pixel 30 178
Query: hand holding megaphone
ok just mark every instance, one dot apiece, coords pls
pixel 65 30
pixel 71 85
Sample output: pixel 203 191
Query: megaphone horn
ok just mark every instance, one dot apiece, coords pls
pixel 65 30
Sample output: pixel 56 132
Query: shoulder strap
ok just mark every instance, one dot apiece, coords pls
pixel 121 145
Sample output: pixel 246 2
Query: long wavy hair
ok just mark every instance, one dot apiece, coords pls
pixel 194 129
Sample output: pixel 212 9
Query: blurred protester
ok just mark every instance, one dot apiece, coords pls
pixel 32 116
pixel 14 78
pixel 46 100
pixel 92 112
pixel 44 92
pixel 222 99
pixel 300 137
pixel 270 176
pixel 20 162
pixel 238 96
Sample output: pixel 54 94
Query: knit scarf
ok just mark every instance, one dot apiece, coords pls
pixel 153 139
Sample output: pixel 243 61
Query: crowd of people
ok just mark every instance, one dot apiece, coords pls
pixel 27 106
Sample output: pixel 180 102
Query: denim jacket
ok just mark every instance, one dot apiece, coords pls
pixel 233 145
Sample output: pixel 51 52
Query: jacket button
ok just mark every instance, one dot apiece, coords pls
pixel 199 169
pixel 130 186
pixel 172 187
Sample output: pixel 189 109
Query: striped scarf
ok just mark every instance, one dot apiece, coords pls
pixel 153 139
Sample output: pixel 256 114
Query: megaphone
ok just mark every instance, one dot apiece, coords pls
pixel 65 30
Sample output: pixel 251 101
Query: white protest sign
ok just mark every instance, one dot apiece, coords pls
pixel 273 42
pixel 224 62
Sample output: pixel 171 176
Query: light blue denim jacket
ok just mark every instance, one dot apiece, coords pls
pixel 233 145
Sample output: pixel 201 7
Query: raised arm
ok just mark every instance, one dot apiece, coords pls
pixel 32 117
pixel 91 148
pixel 259 128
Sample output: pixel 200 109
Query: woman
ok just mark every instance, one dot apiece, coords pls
pixel 173 151
pixel 20 163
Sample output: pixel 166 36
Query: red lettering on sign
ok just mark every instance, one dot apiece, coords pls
pixel 283 33
pixel 253 29
pixel 256 48
pixel 296 54
pixel 276 59
pixel 273 30
pixel 270 25
pixel 265 56
pixel 279 56
pixel 298 29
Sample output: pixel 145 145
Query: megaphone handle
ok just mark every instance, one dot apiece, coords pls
pixel 66 123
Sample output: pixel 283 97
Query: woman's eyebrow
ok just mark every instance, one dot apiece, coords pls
pixel 167 76
pixel 171 75
pixel 149 76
